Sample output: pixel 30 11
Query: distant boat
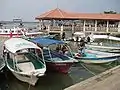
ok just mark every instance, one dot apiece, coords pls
pixel 102 47
pixel 96 57
pixel 76 36
pixel 103 42
pixel 55 60
pixel 22 60
pixel 95 36
pixel 18 31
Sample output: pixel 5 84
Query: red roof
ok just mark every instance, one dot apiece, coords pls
pixel 62 15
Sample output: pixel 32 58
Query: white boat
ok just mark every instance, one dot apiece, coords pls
pixel 97 57
pixel 76 36
pixel 22 60
pixel 102 47
pixel 104 42
pixel 18 32
pixel 103 36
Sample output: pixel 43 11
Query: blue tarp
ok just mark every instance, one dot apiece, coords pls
pixel 46 41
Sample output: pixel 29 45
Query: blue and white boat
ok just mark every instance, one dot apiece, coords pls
pixel 54 57
pixel 97 57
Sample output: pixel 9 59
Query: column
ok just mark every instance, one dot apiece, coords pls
pixel 48 29
pixel 107 26
pixel 84 25
pixel 61 32
pixel 95 25
pixel 73 28
pixel 119 26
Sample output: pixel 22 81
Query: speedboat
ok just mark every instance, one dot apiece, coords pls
pixel 56 59
pixel 96 57
pixel 22 60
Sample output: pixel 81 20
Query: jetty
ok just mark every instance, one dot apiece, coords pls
pixel 108 80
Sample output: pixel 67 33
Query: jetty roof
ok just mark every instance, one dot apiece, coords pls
pixel 59 14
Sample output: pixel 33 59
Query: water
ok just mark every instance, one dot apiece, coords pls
pixel 54 81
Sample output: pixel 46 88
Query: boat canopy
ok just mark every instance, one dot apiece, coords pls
pixel 15 44
pixel 105 37
pixel 80 34
pixel 46 41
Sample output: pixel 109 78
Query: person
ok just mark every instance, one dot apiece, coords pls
pixel 88 39
pixel 58 48
pixel 21 25
pixel 77 38
pixel 64 49
pixel 82 46
pixel 4 52
pixel 11 34
pixel 63 36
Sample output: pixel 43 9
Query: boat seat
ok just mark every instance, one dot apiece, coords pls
pixel 21 58
pixel 26 67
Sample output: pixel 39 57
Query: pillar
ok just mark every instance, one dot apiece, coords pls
pixel 61 32
pixel 95 25
pixel 119 26
pixel 48 29
pixel 107 26
pixel 84 25
pixel 73 28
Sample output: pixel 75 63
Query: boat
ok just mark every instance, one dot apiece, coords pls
pixel 107 36
pixel 96 57
pixel 22 60
pixel 76 36
pixel 55 59
pixel 18 30
pixel 103 42
pixel 103 47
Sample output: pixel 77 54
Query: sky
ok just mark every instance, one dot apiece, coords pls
pixel 27 10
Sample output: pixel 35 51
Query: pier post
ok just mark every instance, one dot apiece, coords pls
pixel 84 25
pixel 48 29
pixel 61 32
pixel 73 28
pixel 107 26
pixel 95 25
pixel 119 26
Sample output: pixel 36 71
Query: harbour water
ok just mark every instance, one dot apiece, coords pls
pixel 55 81
pixel 52 80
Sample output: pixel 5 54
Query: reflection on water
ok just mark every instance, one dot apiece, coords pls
pixel 55 81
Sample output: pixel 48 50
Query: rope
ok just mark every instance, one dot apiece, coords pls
pixel 29 83
pixel 88 69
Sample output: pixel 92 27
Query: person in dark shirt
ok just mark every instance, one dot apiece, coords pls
pixel 82 46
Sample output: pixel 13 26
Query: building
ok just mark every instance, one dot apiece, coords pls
pixel 58 19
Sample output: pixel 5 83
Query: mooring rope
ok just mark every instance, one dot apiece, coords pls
pixel 29 83
pixel 88 69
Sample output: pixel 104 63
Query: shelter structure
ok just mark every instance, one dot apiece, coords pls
pixel 59 20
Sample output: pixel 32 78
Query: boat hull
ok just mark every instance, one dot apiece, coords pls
pixel 32 80
pixel 59 67
pixel 31 77
pixel 97 60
